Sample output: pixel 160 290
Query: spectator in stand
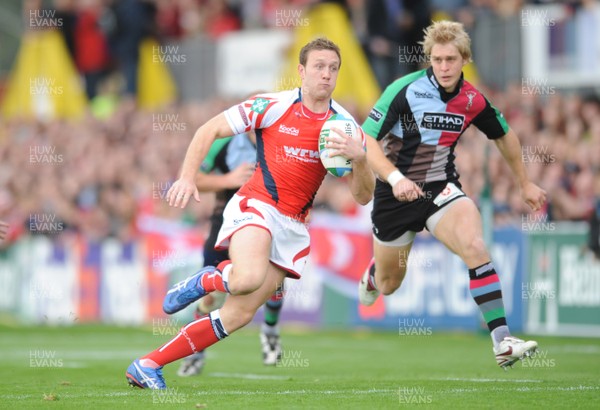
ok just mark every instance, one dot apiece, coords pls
pixel 394 27
pixel 91 48
pixel 65 14
pixel 219 19
pixel 127 22
pixel 168 19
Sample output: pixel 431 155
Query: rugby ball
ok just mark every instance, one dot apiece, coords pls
pixel 338 166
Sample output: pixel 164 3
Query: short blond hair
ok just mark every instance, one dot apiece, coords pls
pixel 444 32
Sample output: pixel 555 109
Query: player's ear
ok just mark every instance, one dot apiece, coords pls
pixel 301 71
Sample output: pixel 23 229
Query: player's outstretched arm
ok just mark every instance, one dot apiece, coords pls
pixel 185 187
pixel 404 189
pixel 362 181
pixel 510 148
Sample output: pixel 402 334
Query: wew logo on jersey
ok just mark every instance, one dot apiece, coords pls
pixel 443 121
pixel 302 154
pixel 284 129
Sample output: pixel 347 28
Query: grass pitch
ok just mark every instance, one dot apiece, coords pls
pixel 83 367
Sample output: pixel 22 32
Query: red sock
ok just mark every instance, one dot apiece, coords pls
pixel 217 280
pixel 192 338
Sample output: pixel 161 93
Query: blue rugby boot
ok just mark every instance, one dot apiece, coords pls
pixel 185 292
pixel 145 377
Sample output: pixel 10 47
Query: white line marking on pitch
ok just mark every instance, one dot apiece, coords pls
pixel 463 379
pixel 249 376
pixel 302 392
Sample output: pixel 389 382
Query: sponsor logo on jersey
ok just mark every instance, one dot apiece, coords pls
pixel 237 221
pixel 243 115
pixel 259 105
pixel 443 121
pixel 375 115
pixel 423 95
pixel 302 154
pixel 470 95
pixel 284 129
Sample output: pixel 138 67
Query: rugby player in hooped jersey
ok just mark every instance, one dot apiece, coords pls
pixel 264 222
pixel 419 118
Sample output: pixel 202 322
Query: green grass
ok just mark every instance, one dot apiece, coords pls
pixel 321 369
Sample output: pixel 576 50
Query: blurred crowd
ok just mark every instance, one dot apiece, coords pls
pixel 103 177
pixel 104 36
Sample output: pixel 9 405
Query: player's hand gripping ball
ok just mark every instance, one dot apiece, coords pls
pixel 338 165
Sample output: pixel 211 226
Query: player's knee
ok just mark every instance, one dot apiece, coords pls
pixel 475 248
pixel 238 318
pixel 245 316
pixel 245 284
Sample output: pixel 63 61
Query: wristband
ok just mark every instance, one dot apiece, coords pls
pixel 394 177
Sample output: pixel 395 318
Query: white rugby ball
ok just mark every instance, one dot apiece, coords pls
pixel 338 165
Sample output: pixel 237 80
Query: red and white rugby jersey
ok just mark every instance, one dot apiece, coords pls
pixel 289 171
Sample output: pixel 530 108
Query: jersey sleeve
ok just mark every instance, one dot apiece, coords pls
pixel 386 112
pixel 491 122
pixel 257 112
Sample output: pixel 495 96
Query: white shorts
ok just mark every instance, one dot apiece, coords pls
pixel 290 242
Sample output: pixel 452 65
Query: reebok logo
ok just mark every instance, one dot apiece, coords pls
pixel 284 129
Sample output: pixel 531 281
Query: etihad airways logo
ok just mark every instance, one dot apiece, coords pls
pixel 443 121
pixel 301 154
pixel 284 129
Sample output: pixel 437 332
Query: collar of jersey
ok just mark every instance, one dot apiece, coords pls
pixel 444 95
pixel 312 115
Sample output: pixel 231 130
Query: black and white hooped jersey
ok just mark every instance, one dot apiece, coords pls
pixel 420 124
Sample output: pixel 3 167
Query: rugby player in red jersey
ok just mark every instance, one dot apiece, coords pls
pixel 264 223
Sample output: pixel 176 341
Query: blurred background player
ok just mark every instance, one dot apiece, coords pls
pixel 228 165
pixel 264 224
pixel 420 118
